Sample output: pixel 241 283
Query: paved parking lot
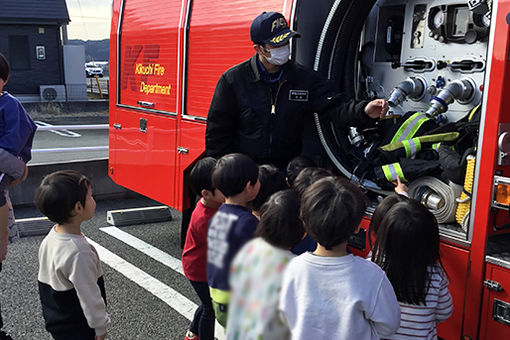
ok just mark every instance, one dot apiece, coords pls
pixel 148 297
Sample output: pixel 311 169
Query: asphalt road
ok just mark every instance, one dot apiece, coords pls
pixel 146 298
pixel 69 139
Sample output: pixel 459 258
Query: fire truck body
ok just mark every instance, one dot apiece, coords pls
pixel 442 57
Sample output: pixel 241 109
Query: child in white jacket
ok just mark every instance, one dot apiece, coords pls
pixel 330 294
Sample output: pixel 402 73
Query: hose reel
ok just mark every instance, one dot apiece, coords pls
pixel 437 196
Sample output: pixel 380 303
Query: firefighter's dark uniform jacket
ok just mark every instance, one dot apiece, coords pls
pixel 264 121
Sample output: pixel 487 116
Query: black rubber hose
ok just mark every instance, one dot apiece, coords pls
pixel 328 44
pixel 344 57
pixel 337 59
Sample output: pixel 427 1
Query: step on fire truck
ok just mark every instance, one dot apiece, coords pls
pixel 439 63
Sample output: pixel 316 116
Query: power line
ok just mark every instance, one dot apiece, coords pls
pixel 99 18
pixel 84 26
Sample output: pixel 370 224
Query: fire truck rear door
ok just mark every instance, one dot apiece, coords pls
pixel 148 60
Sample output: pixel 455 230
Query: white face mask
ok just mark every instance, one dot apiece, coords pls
pixel 279 55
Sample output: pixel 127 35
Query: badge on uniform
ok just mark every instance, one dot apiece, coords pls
pixel 298 95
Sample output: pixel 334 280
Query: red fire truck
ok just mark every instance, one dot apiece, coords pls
pixel 445 59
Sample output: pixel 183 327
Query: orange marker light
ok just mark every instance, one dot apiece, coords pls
pixel 503 194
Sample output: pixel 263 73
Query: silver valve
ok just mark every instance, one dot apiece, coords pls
pixel 412 87
pixel 462 90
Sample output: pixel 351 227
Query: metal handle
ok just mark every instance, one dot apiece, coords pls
pixel 504 142
pixel 493 285
pixel 145 104
pixel 117 126
pixel 182 150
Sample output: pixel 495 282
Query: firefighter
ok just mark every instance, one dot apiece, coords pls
pixel 263 107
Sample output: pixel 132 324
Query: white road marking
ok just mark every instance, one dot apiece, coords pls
pixel 61 132
pixel 158 255
pixel 174 299
pixel 144 247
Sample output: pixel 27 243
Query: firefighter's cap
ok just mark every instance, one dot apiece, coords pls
pixel 271 28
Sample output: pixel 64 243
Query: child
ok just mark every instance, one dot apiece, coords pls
pixel 71 285
pixel 304 179
pixel 407 249
pixel 382 209
pixel 257 271
pixel 295 166
pixel 194 255
pixel 271 181
pixel 329 294
pixel 16 134
pixel 236 176
pixel 307 177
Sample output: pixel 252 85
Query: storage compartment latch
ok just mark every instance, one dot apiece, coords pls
pixel 501 312
pixel 492 285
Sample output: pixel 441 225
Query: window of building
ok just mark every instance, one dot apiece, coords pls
pixel 18 52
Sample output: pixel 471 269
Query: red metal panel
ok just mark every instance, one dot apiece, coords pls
pixel 149 53
pixel 112 90
pixel 145 162
pixel 219 37
pixel 491 329
pixel 192 136
pixel 497 110
pixel 365 222
pixel 455 261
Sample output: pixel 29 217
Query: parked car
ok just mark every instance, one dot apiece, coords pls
pixel 92 71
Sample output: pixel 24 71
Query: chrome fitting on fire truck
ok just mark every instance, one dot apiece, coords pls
pixel 412 87
pixel 462 90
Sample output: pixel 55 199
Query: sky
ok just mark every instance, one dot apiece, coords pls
pixel 90 19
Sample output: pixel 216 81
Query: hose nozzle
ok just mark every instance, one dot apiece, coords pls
pixel 461 90
pixel 412 87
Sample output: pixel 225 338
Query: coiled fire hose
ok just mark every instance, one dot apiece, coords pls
pixel 437 196
pixel 464 201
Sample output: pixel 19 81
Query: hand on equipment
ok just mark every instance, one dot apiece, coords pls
pixel 377 108
pixel 401 188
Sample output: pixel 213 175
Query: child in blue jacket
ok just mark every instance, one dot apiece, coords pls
pixel 16 134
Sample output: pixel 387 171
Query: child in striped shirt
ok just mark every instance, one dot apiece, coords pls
pixel 407 249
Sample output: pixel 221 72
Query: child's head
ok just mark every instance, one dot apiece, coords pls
pixel 307 177
pixel 295 166
pixel 234 173
pixel 382 208
pixel 407 243
pixel 201 184
pixel 61 193
pixel 279 222
pixel 4 70
pixel 331 210
pixel 271 181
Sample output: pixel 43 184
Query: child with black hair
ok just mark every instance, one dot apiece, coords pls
pixel 70 279
pixel 236 176
pixel 271 180
pixel 295 166
pixel 407 249
pixel 382 209
pixel 304 179
pixel 194 254
pixel 257 271
pixel 307 177
pixel 330 294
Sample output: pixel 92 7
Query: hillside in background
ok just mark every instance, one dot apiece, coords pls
pixel 94 49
